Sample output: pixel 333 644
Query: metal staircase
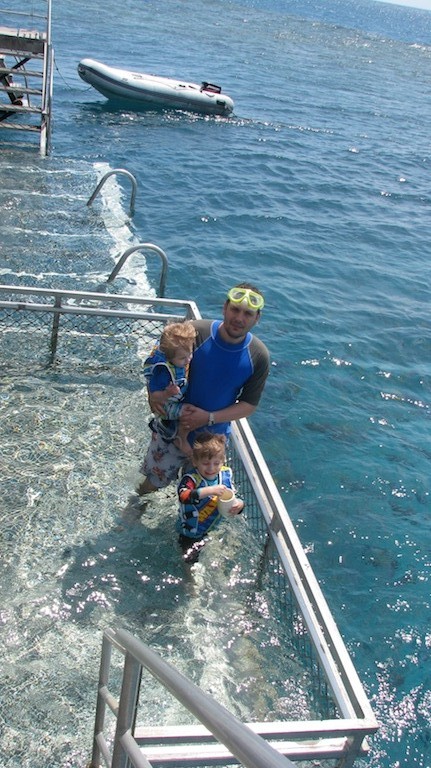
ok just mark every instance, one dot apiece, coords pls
pixel 26 69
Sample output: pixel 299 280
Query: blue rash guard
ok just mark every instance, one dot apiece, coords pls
pixel 222 374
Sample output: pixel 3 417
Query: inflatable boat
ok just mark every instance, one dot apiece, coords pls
pixel 151 90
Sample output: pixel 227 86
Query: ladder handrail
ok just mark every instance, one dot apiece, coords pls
pixel 110 173
pixel 141 247
pixel 250 748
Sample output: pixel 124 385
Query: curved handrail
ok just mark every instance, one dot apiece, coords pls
pixel 110 173
pixel 141 247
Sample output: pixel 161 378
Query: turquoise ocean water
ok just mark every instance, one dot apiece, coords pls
pixel 318 190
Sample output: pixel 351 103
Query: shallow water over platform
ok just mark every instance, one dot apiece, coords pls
pixel 72 566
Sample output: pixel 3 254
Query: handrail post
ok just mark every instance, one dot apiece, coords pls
pixel 105 663
pixel 129 698
pixel 55 327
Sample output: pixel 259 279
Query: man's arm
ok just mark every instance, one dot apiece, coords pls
pixel 193 417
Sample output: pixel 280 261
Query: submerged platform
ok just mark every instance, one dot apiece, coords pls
pixel 84 352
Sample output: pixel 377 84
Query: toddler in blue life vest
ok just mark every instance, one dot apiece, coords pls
pixel 167 369
pixel 199 490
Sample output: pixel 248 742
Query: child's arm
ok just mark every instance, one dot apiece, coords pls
pixel 160 388
pixel 159 379
pixel 211 490
pixel 189 494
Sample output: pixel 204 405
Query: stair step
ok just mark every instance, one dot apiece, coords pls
pixel 15 108
pixel 18 45
pixel 19 127
pixel 21 88
pixel 20 71
pixel 199 755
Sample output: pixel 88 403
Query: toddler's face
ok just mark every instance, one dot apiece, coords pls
pixel 182 357
pixel 209 468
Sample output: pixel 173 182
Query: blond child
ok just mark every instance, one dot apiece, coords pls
pixel 167 369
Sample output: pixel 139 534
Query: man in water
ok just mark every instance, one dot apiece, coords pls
pixel 227 375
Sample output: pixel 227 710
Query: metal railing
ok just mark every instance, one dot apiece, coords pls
pixel 325 637
pixel 248 747
pixel 103 317
pixel 108 330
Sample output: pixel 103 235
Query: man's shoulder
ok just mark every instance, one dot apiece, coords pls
pixel 203 328
pixel 202 323
pixel 259 347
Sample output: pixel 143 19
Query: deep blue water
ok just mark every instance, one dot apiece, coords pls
pixel 317 190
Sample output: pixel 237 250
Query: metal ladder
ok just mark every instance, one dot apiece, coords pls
pixel 27 90
pixel 140 246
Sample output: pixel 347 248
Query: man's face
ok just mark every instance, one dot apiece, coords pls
pixel 238 319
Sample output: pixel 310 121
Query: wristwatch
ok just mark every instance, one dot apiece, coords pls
pixel 211 420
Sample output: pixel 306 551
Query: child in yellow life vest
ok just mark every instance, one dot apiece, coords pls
pixel 199 491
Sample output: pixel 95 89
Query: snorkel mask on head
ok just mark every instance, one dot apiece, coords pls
pixel 252 299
